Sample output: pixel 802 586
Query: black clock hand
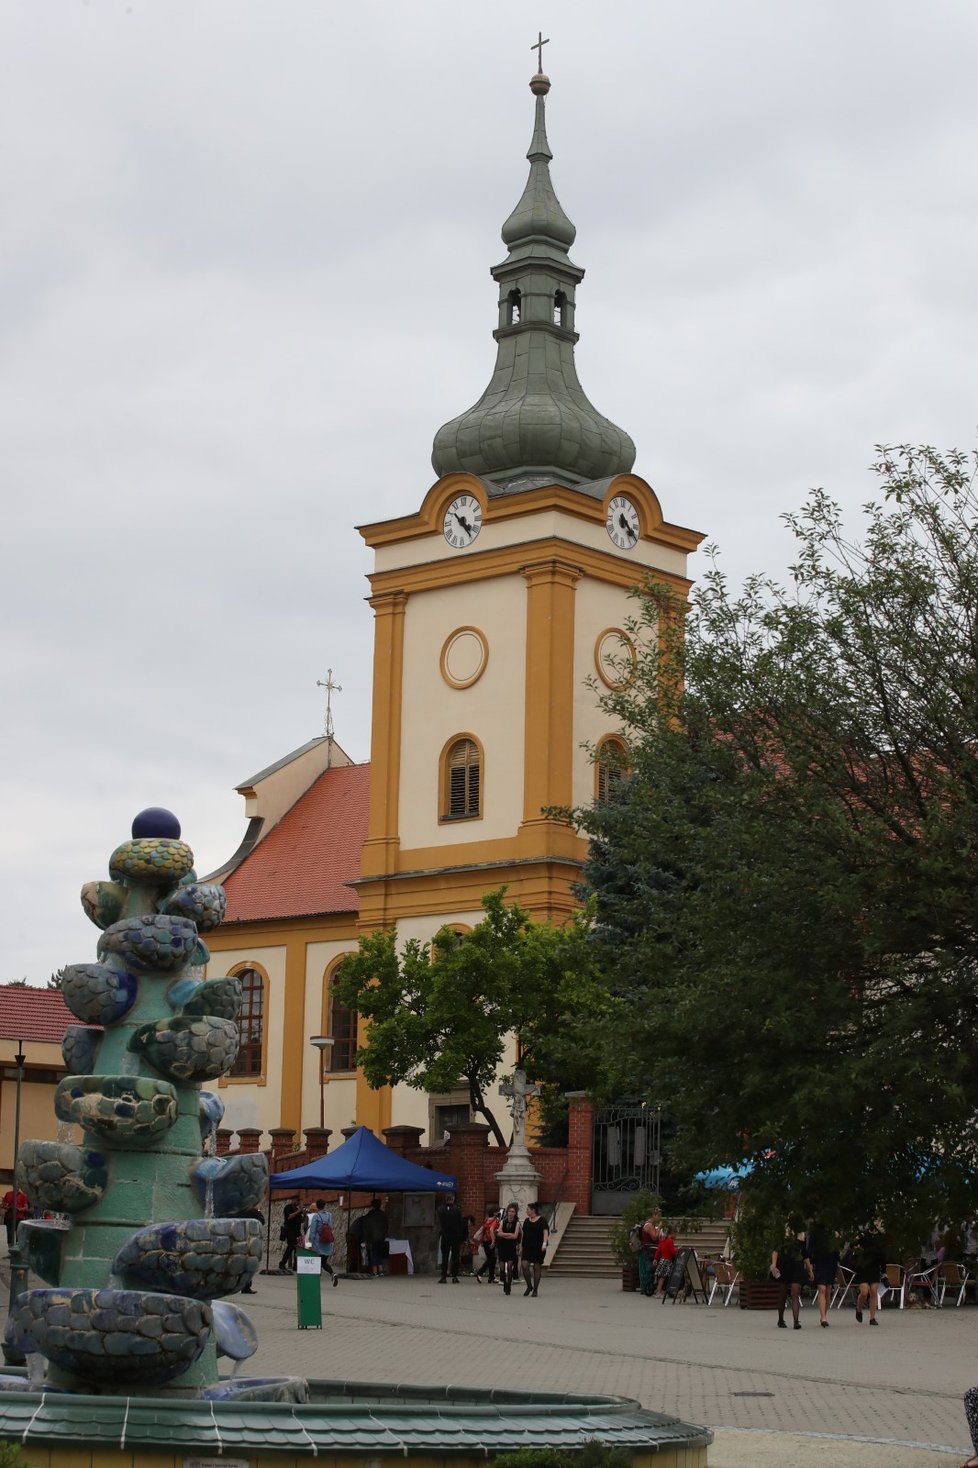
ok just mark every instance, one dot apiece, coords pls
pixel 625 526
pixel 464 524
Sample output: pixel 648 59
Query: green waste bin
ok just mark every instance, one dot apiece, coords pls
pixel 308 1300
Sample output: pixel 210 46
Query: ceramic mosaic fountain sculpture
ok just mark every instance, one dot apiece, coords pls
pixel 138 1284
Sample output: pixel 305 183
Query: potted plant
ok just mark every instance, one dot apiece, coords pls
pixel 752 1238
pixel 636 1210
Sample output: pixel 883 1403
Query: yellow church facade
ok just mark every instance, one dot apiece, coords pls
pixel 501 605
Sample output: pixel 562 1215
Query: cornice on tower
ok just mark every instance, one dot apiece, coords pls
pixel 534 424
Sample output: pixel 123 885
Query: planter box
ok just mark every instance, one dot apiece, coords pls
pixel 629 1277
pixel 759 1294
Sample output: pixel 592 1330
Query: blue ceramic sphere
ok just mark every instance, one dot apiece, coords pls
pixel 155 821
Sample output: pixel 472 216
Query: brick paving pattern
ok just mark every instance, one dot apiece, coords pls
pixel 899 1384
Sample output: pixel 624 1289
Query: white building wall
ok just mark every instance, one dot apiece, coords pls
pixel 492 709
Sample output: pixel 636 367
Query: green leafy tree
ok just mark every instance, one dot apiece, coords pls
pixel 440 1013
pixel 786 889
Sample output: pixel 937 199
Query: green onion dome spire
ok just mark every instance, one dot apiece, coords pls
pixel 534 424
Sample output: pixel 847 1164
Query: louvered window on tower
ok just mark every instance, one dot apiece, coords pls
pixel 464 779
pixel 611 768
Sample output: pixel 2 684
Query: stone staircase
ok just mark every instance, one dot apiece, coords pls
pixel 585 1248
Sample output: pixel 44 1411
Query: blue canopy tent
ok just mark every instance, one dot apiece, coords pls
pixel 362 1164
pixel 726 1177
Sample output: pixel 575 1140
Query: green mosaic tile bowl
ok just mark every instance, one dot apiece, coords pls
pixel 128 1111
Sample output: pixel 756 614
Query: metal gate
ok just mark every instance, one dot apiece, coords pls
pixel 625 1153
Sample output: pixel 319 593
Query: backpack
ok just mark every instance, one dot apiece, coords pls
pixel 635 1239
pixel 320 1230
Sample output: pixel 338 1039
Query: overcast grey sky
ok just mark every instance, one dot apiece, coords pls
pixel 244 256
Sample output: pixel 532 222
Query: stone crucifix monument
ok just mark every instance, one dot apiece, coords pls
pixel 518 1179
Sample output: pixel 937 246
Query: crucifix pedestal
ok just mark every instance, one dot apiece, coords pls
pixel 519 1182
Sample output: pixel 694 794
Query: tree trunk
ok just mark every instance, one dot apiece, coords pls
pixel 478 1103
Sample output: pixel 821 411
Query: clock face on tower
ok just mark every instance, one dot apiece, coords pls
pixel 622 523
pixel 463 521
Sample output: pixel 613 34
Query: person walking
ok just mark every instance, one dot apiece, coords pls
pixel 259 1217
pixel 823 1256
pixel 508 1236
pixel 452 1230
pixel 971 1417
pixel 533 1249
pixel 649 1234
pixel 374 1234
pixel 665 1253
pixel 486 1235
pixel 15 1209
pixel 469 1244
pixel 869 1262
pixel 293 1226
pixel 790 1266
pixel 321 1239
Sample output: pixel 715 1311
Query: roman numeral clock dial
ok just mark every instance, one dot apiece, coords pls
pixel 463 521
pixel 622 523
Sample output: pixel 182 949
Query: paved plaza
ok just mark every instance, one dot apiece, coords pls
pixel 731 1369
pixel 847 1396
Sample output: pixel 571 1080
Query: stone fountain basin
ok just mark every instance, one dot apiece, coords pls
pixel 116 1337
pixel 128 1111
pixel 188 1048
pixel 202 1257
pixel 62 1177
pixel 229 1185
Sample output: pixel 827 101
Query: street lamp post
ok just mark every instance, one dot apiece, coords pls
pixel 323 1043
pixel 18 1265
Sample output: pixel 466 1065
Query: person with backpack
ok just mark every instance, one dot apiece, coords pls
pixel 321 1239
pixel 486 1236
pixel 643 1240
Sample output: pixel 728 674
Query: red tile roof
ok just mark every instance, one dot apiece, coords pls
pixel 302 866
pixel 33 1014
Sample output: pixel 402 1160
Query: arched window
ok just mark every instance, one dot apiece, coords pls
pixel 462 782
pixel 515 300
pixel 560 306
pixel 341 1024
pixel 251 1025
pixel 610 768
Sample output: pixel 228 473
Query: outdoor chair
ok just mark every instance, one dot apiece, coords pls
pixel 726 1277
pixel 951 1276
pixel 891 1283
pixel 845 1280
pixel 901 1281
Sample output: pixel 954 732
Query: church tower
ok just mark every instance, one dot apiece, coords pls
pixel 500 612
pixel 500 604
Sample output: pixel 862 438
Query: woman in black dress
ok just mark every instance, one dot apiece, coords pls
pixel 507 1245
pixel 536 1237
pixel 790 1266
pixel 824 1257
pixel 869 1262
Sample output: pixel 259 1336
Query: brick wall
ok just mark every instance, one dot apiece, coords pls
pixel 565 1171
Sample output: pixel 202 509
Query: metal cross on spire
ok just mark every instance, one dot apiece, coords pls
pixel 538 46
pixel 330 688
